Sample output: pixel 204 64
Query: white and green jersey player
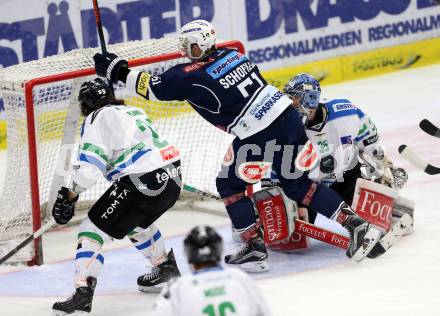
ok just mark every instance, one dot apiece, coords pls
pixel 340 133
pixel 119 143
pixel 211 290
pixel 343 137
pixel 118 140
pixel 214 291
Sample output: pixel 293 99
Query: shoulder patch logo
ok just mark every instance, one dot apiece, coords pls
pixel 342 107
pixel 225 64
pixel 142 84
pixel 194 67
pixel 346 141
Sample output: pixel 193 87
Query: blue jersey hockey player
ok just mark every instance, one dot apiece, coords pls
pixel 230 93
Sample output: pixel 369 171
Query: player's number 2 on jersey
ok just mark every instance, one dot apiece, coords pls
pixel 248 82
pixel 223 309
pixel 143 125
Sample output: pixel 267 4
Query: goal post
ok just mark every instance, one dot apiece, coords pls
pixel 37 95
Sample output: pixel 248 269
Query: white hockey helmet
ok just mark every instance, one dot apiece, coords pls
pixel 198 32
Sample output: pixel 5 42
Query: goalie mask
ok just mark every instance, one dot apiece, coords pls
pixel 203 245
pixel 306 90
pixel 198 32
pixel 94 94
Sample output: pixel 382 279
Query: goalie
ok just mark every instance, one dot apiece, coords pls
pixel 348 147
pixel 119 142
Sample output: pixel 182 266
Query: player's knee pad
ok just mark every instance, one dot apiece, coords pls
pixel 88 259
pixel 90 237
pixel 149 242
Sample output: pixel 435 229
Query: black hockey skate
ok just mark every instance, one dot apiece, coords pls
pixel 362 234
pixel 251 256
pixel 79 302
pixel 155 280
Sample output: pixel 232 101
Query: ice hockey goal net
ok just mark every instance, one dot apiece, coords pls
pixel 42 116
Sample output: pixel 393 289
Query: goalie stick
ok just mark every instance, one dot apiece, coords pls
pixel 416 161
pixel 28 240
pixel 301 227
pixel 429 128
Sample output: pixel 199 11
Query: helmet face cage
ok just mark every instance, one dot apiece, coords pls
pixel 198 32
pixel 306 89
pixel 203 246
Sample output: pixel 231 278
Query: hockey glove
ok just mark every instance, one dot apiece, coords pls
pixel 63 210
pixel 109 65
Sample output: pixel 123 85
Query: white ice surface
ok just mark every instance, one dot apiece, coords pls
pixel 405 281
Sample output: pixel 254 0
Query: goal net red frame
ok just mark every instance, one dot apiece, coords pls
pixel 28 86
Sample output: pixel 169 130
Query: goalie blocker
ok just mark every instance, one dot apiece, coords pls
pixel 376 203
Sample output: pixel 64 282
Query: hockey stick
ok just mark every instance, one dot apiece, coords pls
pixel 416 161
pixel 301 227
pixel 429 128
pixel 194 190
pixel 28 240
pixel 99 26
pixel 321 234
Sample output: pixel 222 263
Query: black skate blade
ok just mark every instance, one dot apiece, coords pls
pixel 252 266
pixel 151 289
pixel 76 313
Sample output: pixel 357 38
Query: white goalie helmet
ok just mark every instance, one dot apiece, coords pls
pixel 198 32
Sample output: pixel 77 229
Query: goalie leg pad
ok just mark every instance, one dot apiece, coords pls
pixel 277 214
pixel 374 202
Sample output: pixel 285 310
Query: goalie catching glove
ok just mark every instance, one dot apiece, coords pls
pixel 63 209
pixel 379 169
pixel 110 66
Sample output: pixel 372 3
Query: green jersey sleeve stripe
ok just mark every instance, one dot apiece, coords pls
pixel 95 149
